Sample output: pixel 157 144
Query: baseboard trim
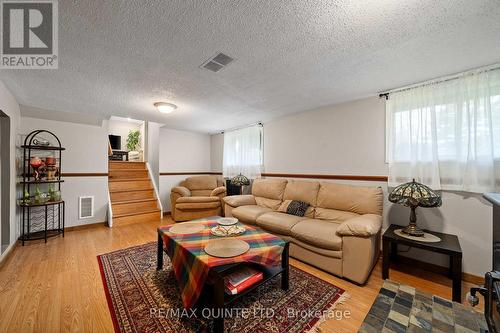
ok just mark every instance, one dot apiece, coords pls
pixel 85 226
pixel 8 253
pixel 467 277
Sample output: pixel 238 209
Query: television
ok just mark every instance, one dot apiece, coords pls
pixel 115 141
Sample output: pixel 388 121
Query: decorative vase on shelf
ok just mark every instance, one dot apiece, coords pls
pixel 50 161
pixel 54 195
pixel 51 172
pixel 26 198
pixel 39 196
pixel 36 163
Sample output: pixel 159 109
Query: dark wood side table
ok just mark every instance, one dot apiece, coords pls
pixel 449 245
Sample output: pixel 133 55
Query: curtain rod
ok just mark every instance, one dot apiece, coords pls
pixel 240 127
pixel 451 77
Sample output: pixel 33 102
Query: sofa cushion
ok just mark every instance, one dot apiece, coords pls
pixel 334 215
pixel 198 199
pixel 354 199
pixel 249 213
pixel 197 205
pixel 301 190
pixel 280 223
pixel 269 188
pixel 201 183
pixel 318 233
pixel 201 193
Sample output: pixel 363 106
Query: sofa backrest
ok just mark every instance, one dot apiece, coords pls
pixel 269 192
pixel 340 202
pixel 328 201
pixel 306 191
pixel 200 185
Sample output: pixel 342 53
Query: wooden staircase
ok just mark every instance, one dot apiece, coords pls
pixel 133 198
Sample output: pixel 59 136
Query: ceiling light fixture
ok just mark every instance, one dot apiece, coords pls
pixel 165 107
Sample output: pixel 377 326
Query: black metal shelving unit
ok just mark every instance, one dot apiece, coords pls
pixel 39 220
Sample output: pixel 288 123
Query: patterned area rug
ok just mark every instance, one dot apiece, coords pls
pixel 399 308
pixel 141 299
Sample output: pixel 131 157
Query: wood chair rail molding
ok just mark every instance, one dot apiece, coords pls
pixel 291 175
pixel 323 176
pixel 189 173
pixel 84 174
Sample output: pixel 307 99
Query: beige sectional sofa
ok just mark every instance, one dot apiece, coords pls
pixel 339 233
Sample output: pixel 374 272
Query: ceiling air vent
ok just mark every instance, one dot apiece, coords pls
pixel 217 62
pixel 86 207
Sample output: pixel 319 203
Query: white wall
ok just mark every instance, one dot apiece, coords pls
pixel 349 139
pixel 153 150
pixel 10 107
pixel 86 152
pixel 216 152
pixel 181 151
pixel 345 139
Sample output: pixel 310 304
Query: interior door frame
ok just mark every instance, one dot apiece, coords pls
pixel 5 172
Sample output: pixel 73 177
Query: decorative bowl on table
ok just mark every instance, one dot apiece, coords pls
pixel 227 231
pixel 227 221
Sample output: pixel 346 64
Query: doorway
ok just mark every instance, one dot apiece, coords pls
pixel 126 139
pixel 4 181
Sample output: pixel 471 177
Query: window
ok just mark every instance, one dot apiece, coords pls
pixel 243 152
pixel 447 134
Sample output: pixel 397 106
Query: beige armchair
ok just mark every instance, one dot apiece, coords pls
pixel 197 197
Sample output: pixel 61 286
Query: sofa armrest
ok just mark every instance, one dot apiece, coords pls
pixel 218 191
pixel 240 200
pixel 365 225
pixel 181 191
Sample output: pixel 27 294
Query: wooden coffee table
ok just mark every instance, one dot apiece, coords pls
pixel 213 295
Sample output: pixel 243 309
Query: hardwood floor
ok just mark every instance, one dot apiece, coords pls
pixel 57 287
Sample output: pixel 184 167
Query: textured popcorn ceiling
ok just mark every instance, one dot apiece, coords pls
pixel 119 57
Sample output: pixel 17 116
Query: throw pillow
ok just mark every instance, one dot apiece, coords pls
pixel 294 207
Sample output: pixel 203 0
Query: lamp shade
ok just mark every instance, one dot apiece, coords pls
pixel 414 194
pixel 240 180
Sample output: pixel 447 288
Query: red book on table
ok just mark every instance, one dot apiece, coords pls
pixel 240 280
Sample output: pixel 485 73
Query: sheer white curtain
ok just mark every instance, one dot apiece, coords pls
pixel 446 135
pixel 243 152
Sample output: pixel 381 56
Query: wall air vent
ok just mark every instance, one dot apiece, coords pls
pixel 217 62
pixel 85 207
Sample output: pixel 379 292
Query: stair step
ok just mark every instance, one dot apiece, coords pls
pixel 152 210
pixel 126 179
pixel 129 185
pixel 128 174
pixel 134 207
pixel 122 202
pixel 139 218
pixel 132 195
pixel 119 165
